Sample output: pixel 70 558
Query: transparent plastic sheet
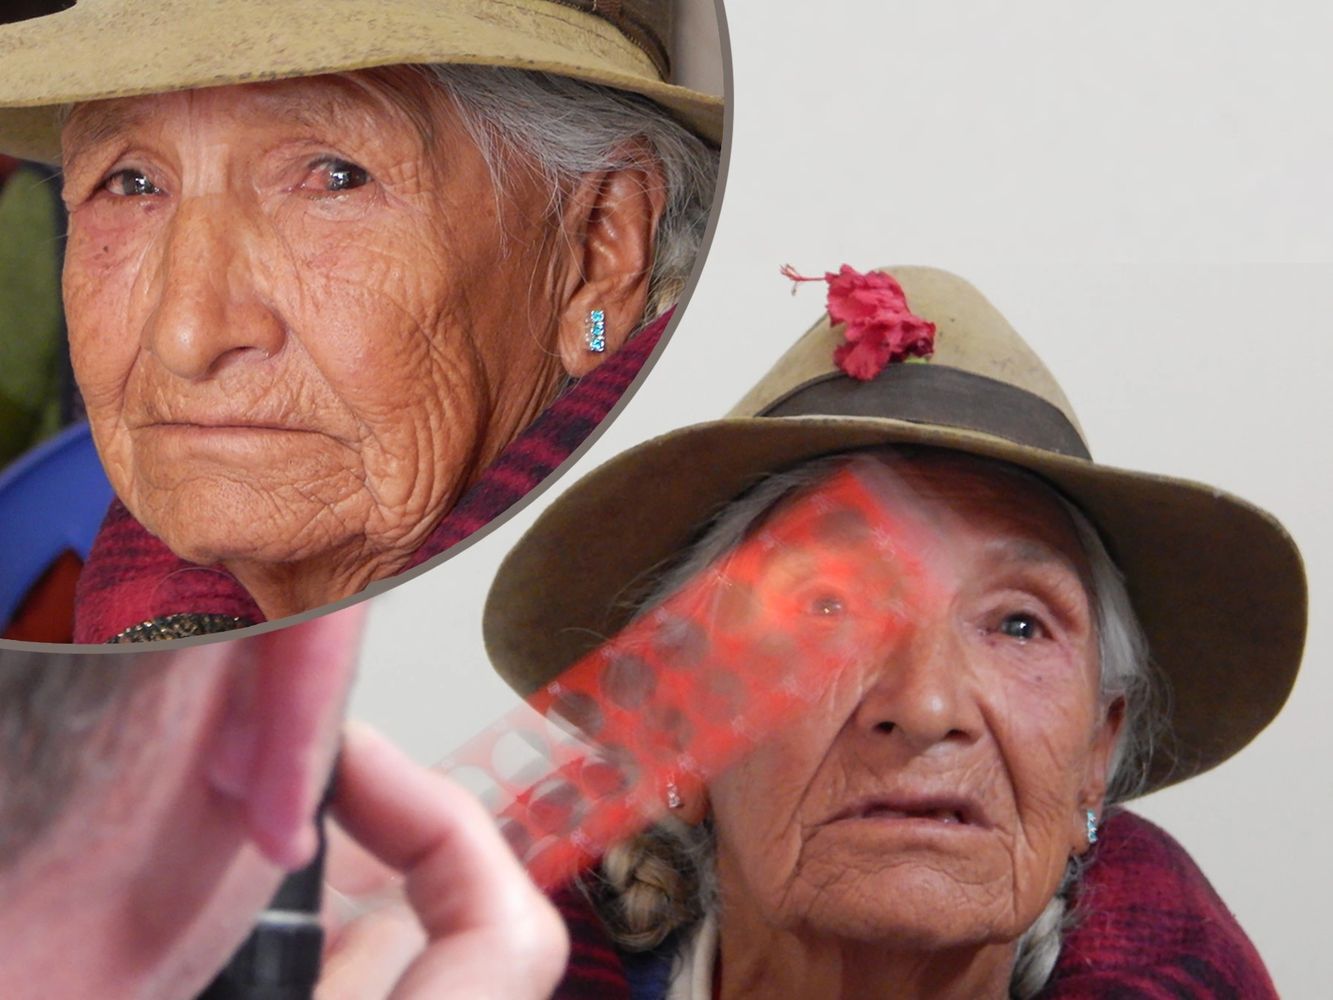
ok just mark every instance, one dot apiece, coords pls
pixel 690 686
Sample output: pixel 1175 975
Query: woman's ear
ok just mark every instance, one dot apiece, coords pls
pixel 273 746
pixel 610 225
pixel 1093 793
pixel 692 795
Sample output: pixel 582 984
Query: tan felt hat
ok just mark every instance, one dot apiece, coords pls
pixel 1218 585
pixel 122 48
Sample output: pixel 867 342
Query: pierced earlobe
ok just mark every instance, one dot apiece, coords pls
pixel 685 797
pixel 605 269
pixel 673 799
pixel 595 337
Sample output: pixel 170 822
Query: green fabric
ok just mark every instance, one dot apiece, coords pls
pixel 30 334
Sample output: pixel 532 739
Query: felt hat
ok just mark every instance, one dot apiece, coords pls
pixel 123 48
pixel 1217 584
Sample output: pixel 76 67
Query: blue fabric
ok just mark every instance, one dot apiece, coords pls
pixel 649 973
pixel 52 499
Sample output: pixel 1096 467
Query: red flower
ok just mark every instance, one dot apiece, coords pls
pixel 880 328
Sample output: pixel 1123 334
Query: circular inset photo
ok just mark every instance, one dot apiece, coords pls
pixel 298 298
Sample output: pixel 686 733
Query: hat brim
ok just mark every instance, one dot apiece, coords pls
pixel 1218 585
pixel 100 51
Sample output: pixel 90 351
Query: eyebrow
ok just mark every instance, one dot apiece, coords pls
pixel 331 108
pixel 1033 554
pixel 1027 551
pixel 87 127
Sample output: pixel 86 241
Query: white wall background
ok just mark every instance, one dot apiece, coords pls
pixel 1146 190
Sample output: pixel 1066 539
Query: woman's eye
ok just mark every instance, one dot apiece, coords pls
pixel 826 605
pixel 130 183
pixel 339 175
pixel 1022 627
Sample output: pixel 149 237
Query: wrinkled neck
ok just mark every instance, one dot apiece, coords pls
pixel 757 961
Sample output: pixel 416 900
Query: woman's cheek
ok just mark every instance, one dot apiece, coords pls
pixel 763 793
pixel 102 269
pixel 1044 763
pixel 372 313
pixel 370 327
pixel 106 234
pixel 1050 721
pixel 365 286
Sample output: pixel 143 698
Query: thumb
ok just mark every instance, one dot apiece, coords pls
pixel 490 931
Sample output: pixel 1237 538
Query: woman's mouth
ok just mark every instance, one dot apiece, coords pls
pixel 221 427
pixel 887 812
pixel 946 810
pixel 229 425
pixel 229 440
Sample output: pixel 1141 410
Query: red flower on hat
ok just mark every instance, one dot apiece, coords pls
pixel 880 328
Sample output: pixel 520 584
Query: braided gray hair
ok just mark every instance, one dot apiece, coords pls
pixel 663 880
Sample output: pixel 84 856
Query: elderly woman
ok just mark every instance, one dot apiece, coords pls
pixel 984 634
pixel 310 317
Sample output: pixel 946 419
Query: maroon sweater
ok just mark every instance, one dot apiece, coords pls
pixel 131 576
pixel 1150 927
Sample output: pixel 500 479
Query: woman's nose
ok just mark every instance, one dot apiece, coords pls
pixel 922 692
pixel 208 311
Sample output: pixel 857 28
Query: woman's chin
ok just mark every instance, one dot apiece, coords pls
pixel 247 529
pixel 275 499
pixel 316 538
pixel 921 897
pixel 915 917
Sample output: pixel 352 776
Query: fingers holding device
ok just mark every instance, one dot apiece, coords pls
pixel 280 959
pixel 467 921
pixel 442 909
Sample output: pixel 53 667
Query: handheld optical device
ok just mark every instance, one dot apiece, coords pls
pixel 281 957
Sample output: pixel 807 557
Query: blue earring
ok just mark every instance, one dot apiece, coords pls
pixel 1092 827
pixel 596 336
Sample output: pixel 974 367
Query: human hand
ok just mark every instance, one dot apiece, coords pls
pixel 462 918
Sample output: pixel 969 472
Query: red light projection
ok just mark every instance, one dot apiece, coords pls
pixel 688 688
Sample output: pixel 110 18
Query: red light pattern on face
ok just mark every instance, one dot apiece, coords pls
pixel 687 689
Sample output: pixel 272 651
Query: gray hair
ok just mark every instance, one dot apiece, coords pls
pixel 58 715
pixel 568 128
pixel 664 880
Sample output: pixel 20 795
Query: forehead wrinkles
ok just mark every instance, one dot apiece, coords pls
pixel 405 90
pixel 329 103
pixel 1024 550
pixel 400 91
pixel 1029 520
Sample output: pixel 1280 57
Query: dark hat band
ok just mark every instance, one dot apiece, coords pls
pixel 646 23
pixel 937 394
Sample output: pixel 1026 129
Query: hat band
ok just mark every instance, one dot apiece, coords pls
pixel 646 23
pixel 937 394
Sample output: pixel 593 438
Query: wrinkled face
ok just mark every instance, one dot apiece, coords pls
pixel 300 313
pixel 935 793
